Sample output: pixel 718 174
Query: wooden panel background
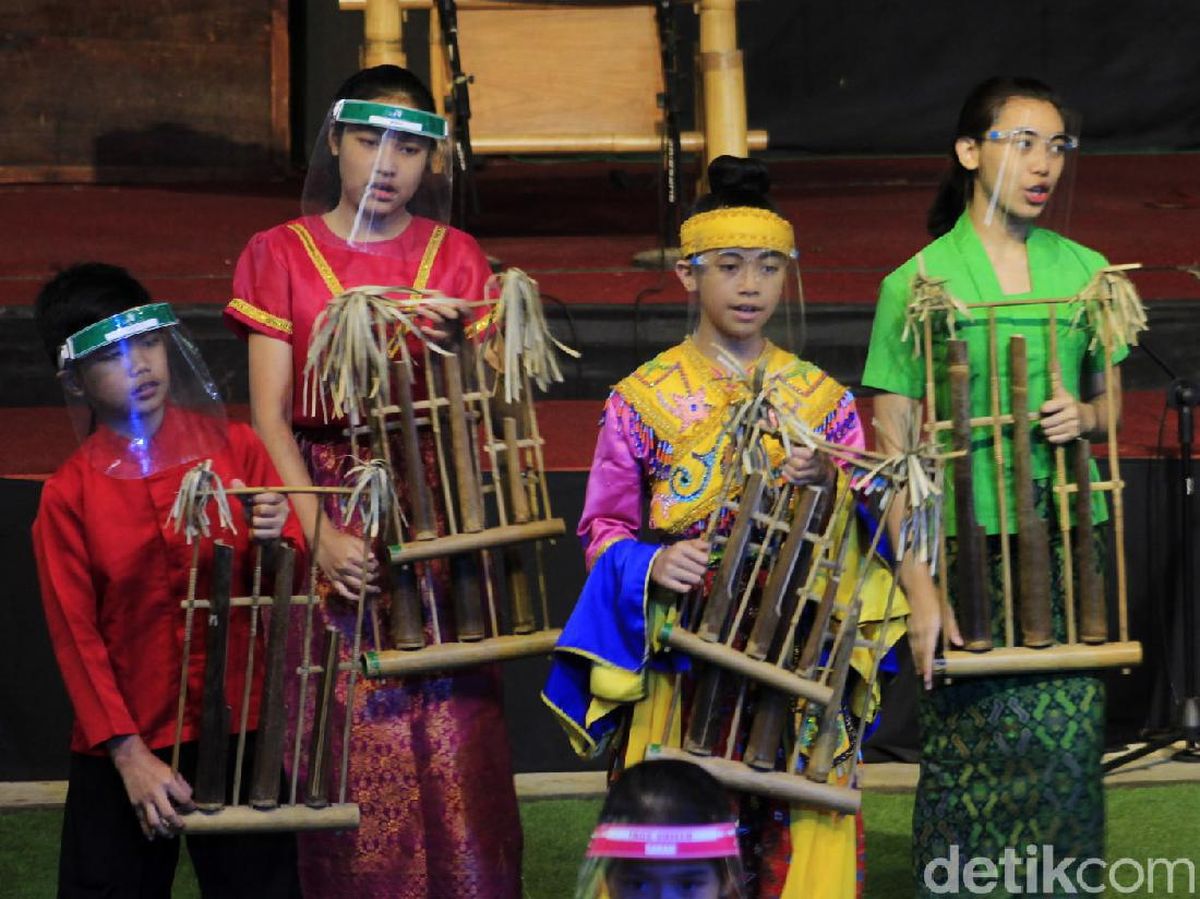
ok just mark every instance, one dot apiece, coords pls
pixel 562 71
pixel 142 89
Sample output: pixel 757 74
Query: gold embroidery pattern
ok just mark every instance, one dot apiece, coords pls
pixel 684 398
pixel 282 325
pixel 427 259
pixel 318 260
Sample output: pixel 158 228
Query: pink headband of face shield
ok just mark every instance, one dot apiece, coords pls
pixel 652 842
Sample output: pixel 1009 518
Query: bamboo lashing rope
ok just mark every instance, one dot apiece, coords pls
pixel 350 350
pixel 189 512
pixel 929 297
pixel 522 339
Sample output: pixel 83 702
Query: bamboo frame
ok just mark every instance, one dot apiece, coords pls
pixel 1071 655
pixel 239 817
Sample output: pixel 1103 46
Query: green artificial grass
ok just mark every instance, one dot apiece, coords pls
pixel 1143 823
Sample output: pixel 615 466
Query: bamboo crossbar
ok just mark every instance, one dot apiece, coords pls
pixel 449 656
pixel 731 660
pixel 776 784
pixel 489 538
pixel 1023 660
pixel 244 819
pixel 251 491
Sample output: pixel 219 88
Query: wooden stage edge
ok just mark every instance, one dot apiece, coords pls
pixel 1156 769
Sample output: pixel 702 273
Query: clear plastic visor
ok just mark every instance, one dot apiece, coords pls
pixel 375 164
pixel 747 288
pixel 1026 168
pixel 140 398
pixel 618 878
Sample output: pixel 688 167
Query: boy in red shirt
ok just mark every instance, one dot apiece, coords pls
pixel 113 571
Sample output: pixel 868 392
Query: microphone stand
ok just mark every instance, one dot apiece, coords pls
pixel 1183 396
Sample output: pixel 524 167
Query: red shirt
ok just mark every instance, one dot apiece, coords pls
pixel 279 287
pixel 113 573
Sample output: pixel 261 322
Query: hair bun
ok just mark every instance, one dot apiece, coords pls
pixel 736 177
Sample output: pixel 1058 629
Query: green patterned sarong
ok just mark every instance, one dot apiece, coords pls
pixel 1011 762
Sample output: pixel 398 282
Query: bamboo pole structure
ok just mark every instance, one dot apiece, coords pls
pixel 723 80
pixel 383 34
pixel 1001 486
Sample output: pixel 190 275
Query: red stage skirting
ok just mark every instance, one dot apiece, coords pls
pixel 574 226
pixel 38 439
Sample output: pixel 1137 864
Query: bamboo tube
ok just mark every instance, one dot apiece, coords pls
pixel 406 630
pixel 189 613
pixel 320 753
pixel 248 675
pixel 382 38
pixel 449 656
pixel 1022 660
pixel 465 581
pixel 486 539
pixel 1033 539
pixel 243 820
pixel 272 715
pixel 775 784
pixel 514 571
pixel 723 80
pixel 1060 473
pixel 1118 490
pixel 763 672
pixel 1001 471
pixel 306 659
pixel 212 752
pixel 1093 614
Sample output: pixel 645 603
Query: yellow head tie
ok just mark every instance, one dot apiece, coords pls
pixel 737 226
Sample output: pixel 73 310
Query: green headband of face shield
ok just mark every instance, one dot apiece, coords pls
pixel 393 118
pixel 114 329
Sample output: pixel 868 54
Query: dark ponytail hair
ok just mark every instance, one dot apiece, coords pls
pixel 668 792
pixel 735 181
pixel 979 111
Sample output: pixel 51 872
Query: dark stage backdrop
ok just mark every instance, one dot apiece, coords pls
pixel 884 76
pixel 35 716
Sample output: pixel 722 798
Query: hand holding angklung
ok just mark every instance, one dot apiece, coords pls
pixel 441 320
pixel 1062 417
pixel 341 557
pixel 681 566
pixel 156 793
pixel 266 514
pixel 805 466
pixel 927 619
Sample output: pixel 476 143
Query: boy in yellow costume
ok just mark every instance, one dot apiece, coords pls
pixel 664 446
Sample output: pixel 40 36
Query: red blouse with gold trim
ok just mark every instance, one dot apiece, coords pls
pixel 287 274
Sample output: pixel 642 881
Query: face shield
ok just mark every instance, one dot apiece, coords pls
pixel 1026 166
pixel 375 164
pixel 139 395
pixel 745 275
pixel 632 860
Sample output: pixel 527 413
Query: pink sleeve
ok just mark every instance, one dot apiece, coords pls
pixel 616 486
pixel 261 292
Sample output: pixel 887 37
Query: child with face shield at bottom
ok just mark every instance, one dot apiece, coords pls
pixel 664 445
pixel 429 755
pixel 667 831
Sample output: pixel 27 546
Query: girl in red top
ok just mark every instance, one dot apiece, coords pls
pixel 430 763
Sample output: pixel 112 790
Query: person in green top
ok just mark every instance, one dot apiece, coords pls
pixel 1007 762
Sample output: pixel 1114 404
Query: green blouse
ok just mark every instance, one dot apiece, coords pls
pixel 1058 268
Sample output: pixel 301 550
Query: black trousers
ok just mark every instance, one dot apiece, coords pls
pixel 105 854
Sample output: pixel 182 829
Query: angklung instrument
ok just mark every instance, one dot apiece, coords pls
pixel 284 791
pixel 477 425
pixel 773 640
pixel 1109 308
